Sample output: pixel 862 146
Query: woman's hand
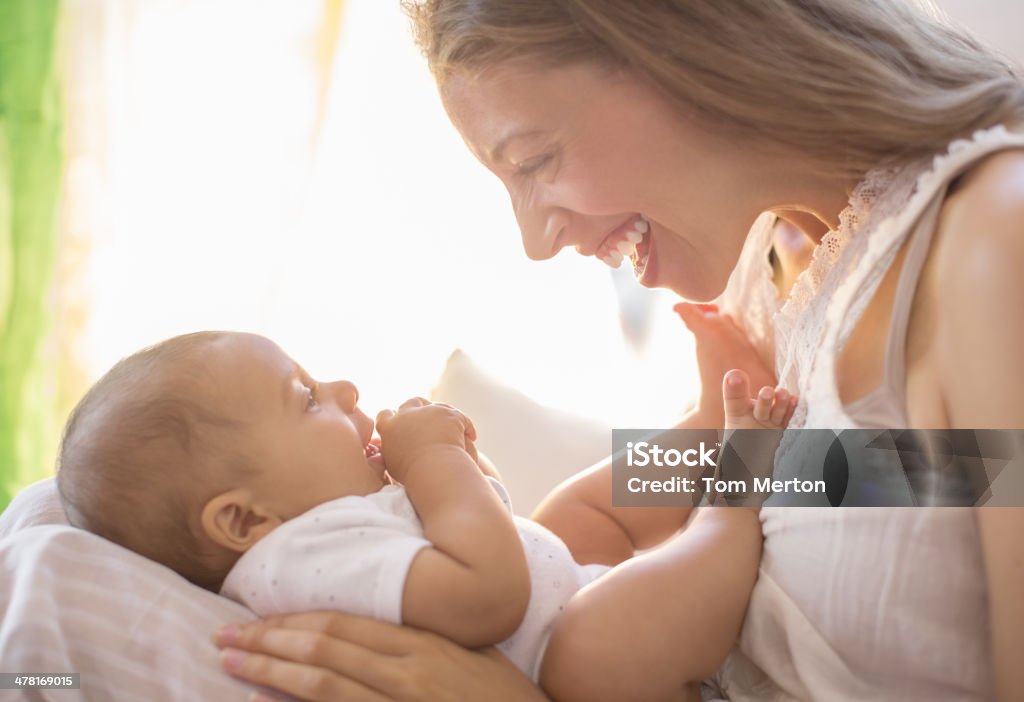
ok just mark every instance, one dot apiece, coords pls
pixel 721 346
pixel 333 657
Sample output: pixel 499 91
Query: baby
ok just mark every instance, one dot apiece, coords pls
pixel 218 456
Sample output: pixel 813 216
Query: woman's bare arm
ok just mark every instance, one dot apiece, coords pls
pixel 1000 529
pixel 979 335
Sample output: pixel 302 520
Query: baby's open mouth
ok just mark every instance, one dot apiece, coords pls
pixel 375 459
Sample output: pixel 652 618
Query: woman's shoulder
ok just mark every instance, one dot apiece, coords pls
pixel 991 191
pixel 977 291
pixel 981 224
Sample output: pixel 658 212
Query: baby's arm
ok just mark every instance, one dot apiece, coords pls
pixel 680 607
pixel 484 463
pixel 660 621
pixel 580 512
pixel 473 584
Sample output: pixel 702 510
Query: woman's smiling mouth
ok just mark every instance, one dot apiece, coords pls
pixel 631 241
pixel 642 253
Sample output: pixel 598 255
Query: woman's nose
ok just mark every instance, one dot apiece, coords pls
pixel 540 228
pixel 345 394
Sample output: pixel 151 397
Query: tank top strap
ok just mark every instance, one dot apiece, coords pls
pixel 885 406
pixel 867 266
pixel 910 274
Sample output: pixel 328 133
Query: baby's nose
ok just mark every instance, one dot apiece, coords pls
pixel 346 394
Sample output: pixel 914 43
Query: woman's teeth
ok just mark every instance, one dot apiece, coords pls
pixel 627 247
pixel 614 259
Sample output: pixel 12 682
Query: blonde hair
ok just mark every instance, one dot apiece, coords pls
pixel 852 85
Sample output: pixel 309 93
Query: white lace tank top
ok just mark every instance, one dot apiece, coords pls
pixel 859 603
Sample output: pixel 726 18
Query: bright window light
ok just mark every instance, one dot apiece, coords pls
pixel 369 253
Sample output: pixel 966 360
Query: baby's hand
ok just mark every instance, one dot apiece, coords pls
pixel 721 345
pixel 418 429
pixel 772 409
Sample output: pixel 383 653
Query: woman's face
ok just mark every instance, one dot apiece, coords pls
pixel 583 151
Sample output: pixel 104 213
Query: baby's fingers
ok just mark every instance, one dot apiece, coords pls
pixel 383 417
pixel 413 402
pixel 763 405
pixel 780 408
pixel 735 395
pixel 793 402
pixel 466 421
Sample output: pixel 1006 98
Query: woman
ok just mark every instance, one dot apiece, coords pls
pixel 696 117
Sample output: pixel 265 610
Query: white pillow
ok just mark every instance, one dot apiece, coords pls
pixel 71 602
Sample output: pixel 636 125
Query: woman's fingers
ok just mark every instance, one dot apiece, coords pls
pixel 315 661
pixel 716 332
pixel 372 634
pixel 306 682
pixel 398 664
pixel 692 314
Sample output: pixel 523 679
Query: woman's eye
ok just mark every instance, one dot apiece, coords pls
pixel 311 402
pixel 532 165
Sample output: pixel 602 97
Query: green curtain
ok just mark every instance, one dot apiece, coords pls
pixel 30 174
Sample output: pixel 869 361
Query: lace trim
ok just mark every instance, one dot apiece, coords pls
pixel 800 321
pixel 828 299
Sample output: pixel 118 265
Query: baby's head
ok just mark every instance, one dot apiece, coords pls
pixel 190 451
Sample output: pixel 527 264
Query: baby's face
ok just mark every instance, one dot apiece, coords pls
pixel 306 442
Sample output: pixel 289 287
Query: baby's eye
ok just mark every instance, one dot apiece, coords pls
pixel 311 402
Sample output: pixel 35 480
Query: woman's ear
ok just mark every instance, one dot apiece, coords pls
pixel 234 520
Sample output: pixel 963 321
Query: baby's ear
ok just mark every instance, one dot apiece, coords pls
pixel 234 520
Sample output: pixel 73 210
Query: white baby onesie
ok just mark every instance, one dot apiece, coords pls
pixel 353 554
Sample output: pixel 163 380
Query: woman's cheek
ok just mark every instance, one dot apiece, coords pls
pixel 593 193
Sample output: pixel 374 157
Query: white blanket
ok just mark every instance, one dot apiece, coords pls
pixel 71 602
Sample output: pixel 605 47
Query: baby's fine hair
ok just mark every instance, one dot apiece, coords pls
pixel 135 457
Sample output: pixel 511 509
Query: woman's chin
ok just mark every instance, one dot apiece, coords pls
pixel 688 284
